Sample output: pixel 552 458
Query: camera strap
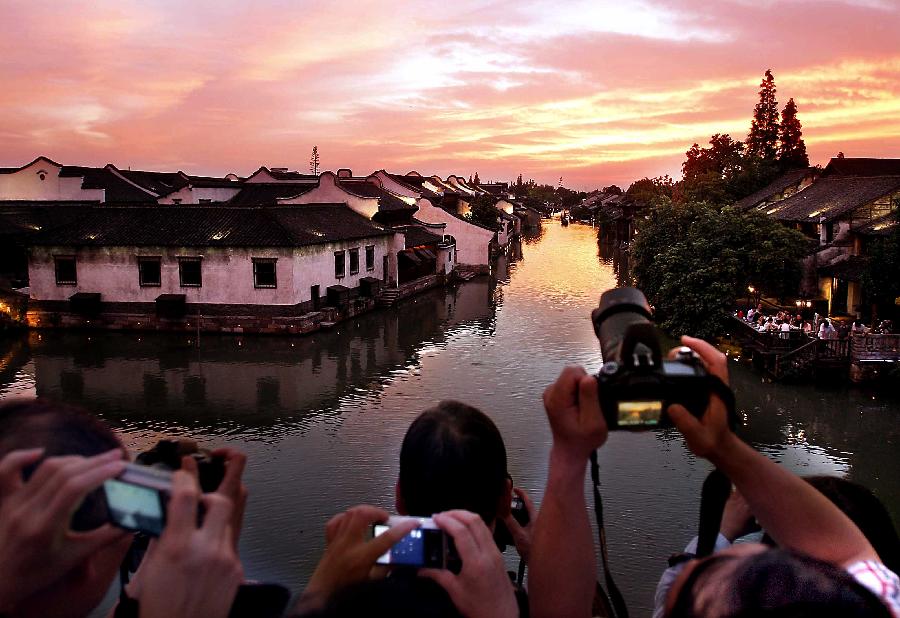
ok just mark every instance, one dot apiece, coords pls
pixel 612 596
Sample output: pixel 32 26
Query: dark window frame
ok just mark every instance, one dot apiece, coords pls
pixel 370 258
pixel 183 260
pixel 146 259
pixel 354 260
pixel 274 262
pixel 342 272
pixel 56 260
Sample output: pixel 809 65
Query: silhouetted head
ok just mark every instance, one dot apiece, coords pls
pixel 65 430
pixel 398 597
pixel 453 457
pixel 749 580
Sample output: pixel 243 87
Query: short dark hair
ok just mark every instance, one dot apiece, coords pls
pixel 779 583
pixel 453 457
pixel 398 597
pixel 59 429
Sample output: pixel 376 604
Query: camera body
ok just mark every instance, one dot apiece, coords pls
pixel 502 535
pixel 167 454
pixel 636 383
pixel 425 547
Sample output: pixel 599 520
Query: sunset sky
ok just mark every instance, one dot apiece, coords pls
pixel 598 92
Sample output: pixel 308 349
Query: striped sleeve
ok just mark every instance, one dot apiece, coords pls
pixel 880 580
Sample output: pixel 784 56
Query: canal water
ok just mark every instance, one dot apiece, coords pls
pixel 322 417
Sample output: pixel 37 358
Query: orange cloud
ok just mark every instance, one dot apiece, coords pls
pixel 597 92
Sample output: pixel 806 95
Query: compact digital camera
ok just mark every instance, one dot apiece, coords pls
pixel 425 547
pixel 636 383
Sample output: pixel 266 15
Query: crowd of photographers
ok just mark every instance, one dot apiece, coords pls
pixel 60 556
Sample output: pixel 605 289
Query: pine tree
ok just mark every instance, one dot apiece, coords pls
pixel 477 180
pixel 762 141
pixel 314 161
pixel 792 150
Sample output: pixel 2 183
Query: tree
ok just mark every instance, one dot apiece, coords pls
pixel 881 277
pixel 711 174
pixel 762 141
pixel 648 191
pixel 693 261
pixel 482 210
pixel 612 189
pixel 792 150
pixel 314 161
pixel 477 180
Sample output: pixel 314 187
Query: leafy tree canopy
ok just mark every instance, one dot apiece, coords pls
pixel 693 261
pixel 483 212
pixel 648 191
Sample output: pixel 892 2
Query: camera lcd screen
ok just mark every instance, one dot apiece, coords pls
pixel 639 413
pixel 135 507
pixel 423 547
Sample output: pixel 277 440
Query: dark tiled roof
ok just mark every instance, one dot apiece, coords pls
pixel 833 196
pixel 254 194
pixel 849 268
pixel 862 167
pixel 24 219
pixel 161 183
pixel 776 187
pixel 213 182
pixel 417 235
pixel 297 176
pixel 387 201
pixel 117 189
pixel 880 226
pixel 211 226
pixel 416 184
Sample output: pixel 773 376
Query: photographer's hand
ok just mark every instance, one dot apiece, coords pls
pixel 193 571
pixel 37 548
pixel 350 554
pixel 573 409
pixel 232 486
pixel 710 434
pixel 521 535
pixel 737 518
pixel 563 562
pixel 482 587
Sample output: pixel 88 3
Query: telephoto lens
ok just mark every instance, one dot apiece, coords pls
pixel 619 309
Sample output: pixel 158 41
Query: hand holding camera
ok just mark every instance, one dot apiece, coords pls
pixel 37 545
pixel 351 552
pixel 482 587
pixel 573 409
pixel 202 555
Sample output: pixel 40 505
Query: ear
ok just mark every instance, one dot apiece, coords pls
pixel 398 500
pixel 504 508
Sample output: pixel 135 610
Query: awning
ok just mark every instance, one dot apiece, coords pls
pixel 410 255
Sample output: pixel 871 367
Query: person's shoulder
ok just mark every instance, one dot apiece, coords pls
pixel 879 579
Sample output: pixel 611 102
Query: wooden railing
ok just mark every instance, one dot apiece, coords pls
pixel 875 348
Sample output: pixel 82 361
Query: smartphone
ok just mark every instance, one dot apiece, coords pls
pixel 136 499
pixel 425 547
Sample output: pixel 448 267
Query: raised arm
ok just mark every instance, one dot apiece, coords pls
pixel 793 512
pixel 563 564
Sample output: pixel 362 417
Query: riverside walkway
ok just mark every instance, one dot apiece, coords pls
pixel 795 354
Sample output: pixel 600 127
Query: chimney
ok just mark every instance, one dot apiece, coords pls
pixel 344 173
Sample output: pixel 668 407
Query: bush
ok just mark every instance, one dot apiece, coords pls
pixel 694 261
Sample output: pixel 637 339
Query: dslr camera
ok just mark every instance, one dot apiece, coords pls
pixel 636 383
pixel 167 454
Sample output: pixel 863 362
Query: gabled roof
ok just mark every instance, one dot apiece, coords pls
pixel 285 175
pixel 211 226
pixel 776 187
pixel 12 170
pixel 117 188
pixel 418 235
pixel 834 196
pixel 267 194
pixel 160 183
pixel 387 201
pixel 213 182
pixel 862 167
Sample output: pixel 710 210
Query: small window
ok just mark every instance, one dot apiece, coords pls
pixel 264 273
pixel 354 261
pixel 149 271
pixel 204 201
pixel 189 272
pixel 370 257
pixel 65 270
pixel 339 267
